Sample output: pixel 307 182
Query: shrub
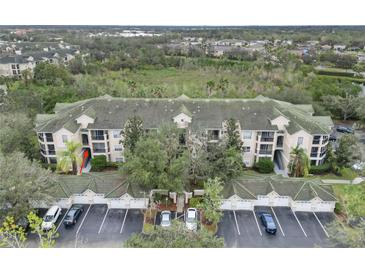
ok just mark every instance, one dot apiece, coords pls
pixel 320 169
pixel 348 173
pixel 195 201
pixel 98 163
pixel 338 208
pixel 264 165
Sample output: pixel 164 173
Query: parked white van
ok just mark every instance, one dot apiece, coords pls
pixel 51 217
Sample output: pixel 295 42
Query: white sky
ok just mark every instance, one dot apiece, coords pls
pixel 185 12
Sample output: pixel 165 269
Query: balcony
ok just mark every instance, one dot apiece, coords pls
pixel 51 152
pixel 314 155
pixel 99 150
pixel 97 137
pixel 265 152
pixel 49 137
pixel 267 139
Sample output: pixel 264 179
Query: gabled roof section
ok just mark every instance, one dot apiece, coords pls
pixel 183 97
pixel 184 109
pixel 252 114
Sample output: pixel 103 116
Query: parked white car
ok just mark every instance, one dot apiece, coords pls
pixel 191 219
pixel 166 218
pixel 358 166
pixel 51 217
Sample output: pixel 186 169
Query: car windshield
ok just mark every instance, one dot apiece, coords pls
pixel 48 218
pixel 191 215
pixel 165 217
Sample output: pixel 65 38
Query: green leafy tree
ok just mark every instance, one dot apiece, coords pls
pixel 199 166
pixel 47 238
pixel 177 236
pixel 133 131
pixel 348 151
pixel 147 164
pixel 345 106
pixel 299 162
pixel 69 158
pixel 226 162
pixel 212 200
pixel 233 135
pixel 12 235
pixel 51 74
pixel 222 86
pixel 16 134
pixel 158 161
pixel 23 183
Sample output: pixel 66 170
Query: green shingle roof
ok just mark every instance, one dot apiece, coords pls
pixel 253 114
pixel 298 189
pixel 111 184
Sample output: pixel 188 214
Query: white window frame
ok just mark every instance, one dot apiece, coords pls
pixel 299 143
pixel 118 148
pixel 63 138
pixel 116 133
pixel 245 134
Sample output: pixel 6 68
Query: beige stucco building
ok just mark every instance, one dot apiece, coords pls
pixel 267 127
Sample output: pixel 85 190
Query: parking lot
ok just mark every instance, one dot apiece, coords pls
pixel 300 229
pixel 99 227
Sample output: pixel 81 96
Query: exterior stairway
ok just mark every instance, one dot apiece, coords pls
pixel 180 203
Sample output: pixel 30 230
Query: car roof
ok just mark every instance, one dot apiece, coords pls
pixel 52 210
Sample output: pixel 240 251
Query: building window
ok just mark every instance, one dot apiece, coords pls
pixel 314 152
pixel 49 137
pixel 99 147
pixel 246 149
pixel 53 160
pixel 41 137
pixel 118 148
pixel 116 134
pixel 300 141
pixel 64 139
pixel 213 135
pixel 247 134
pixel 97 134
pixel 119 159
pixel 51 150
pixel 316 139
pixel 325 139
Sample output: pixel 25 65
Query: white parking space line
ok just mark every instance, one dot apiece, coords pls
pixel 321 224
pixel 87 212
pixel 277 221
pixel 62 219
pixel 257 223
pixel 125 216
pixel 102 223
pixel 295 215
pixel 235 218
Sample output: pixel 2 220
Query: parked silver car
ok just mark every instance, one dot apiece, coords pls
pixel 191 219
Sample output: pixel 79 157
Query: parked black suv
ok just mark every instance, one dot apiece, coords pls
pixel 268 223
pixel 73 215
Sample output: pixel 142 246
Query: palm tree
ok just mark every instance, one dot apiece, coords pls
pixel 69 158
pixel 299 164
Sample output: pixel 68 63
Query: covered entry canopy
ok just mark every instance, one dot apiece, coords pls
pixel 98 188
pixel 298 193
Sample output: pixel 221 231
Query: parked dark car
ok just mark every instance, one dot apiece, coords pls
pixel 73 215
pixel 343 129
pixel 268 223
